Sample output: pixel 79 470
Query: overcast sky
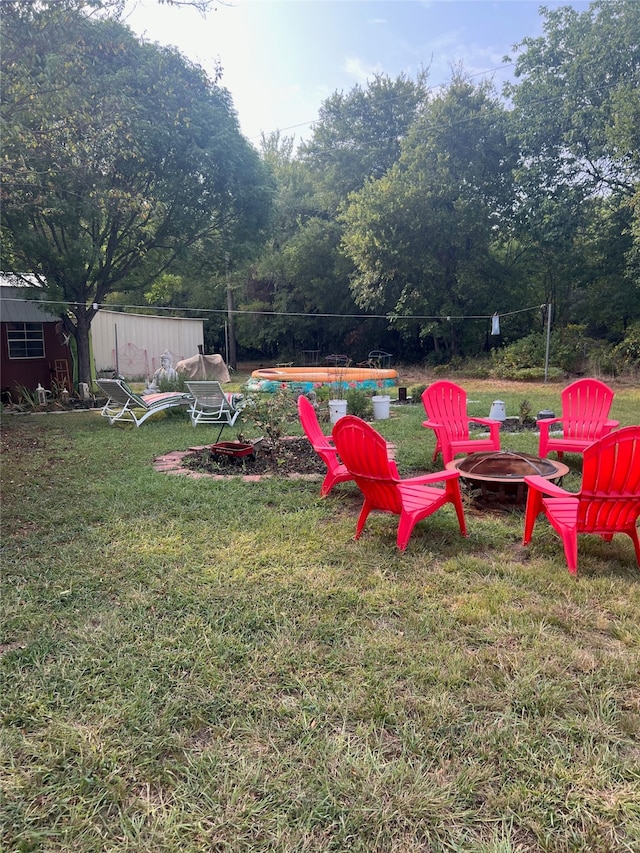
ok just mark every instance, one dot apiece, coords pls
pixel 282 58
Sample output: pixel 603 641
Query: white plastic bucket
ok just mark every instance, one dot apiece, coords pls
pixel 498 412
pixel 337 410
pixel 381 407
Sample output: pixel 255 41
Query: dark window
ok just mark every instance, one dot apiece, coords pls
pixel 26 340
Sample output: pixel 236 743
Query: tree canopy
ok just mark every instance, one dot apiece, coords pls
pixel 118 157
pixel 407 209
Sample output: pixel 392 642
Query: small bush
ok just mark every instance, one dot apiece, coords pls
pixel 524 411
pixel 359 403
pixel 528 374
pixel 177 384
pixel 628 350
pixel 416 392
pixel 271 412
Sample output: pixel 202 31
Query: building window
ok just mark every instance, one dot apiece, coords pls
pixel 26 340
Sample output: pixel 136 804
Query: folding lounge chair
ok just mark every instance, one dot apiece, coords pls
pixel 210 405
pixel 123 404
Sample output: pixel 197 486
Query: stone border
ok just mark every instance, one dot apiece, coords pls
pixel 171 463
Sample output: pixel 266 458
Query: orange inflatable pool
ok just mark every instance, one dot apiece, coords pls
pixel 305 378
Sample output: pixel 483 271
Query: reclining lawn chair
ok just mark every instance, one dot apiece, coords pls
pixel 210 405
pixel 125 405
pixel 365 454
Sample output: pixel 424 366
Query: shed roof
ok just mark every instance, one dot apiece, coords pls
pixel 15 307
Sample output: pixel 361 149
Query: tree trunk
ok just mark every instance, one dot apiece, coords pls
pixel 82 329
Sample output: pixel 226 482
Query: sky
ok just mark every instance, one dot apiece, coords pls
pixel 282 58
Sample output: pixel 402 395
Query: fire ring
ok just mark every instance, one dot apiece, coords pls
pixel 499 475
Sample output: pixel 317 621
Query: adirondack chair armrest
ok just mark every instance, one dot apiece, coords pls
pixel 609 425
pixel 545 423
pixel 546 487
pixel 493 425
pixel 435 477
pixel 431 424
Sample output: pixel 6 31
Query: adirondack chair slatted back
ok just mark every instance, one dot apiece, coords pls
pixel 364 452
pixel 310 424
pixel 446 406
pixel 336 471
pixel 586 404
pixel 446 403
pixel 608 501
pixel 609 498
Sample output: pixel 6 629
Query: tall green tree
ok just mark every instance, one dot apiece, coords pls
pixel 577 117
pixel 577 98
pixel 421 236
pixel 118 157
pixel 358 135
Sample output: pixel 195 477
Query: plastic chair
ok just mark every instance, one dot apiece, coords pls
pixel 585 418
pixel 364 452
pixel 607 503
pixel 446 406
pixel 323 446
pixel 212 406
pixel 124 405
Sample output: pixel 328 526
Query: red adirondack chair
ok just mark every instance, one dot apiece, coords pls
pixel 323 446
pixel 364 452
pixel 585 418
pixel 446 406
pixel 607 503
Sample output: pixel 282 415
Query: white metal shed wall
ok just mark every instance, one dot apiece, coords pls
pixel 142 333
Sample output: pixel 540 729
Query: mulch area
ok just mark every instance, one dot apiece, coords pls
pixel 292 457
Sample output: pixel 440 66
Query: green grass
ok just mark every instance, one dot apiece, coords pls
pixel 200 665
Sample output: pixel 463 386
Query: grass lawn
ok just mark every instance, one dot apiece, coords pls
pixel 206 665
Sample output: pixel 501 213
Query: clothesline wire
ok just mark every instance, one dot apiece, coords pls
pixel 240 311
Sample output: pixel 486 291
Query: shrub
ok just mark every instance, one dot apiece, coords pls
pixel 271 412
pixel 628 350
pixel 177 384
pixel 416 391
pixel 359 403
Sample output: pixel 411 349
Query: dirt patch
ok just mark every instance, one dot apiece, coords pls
pixel 291 457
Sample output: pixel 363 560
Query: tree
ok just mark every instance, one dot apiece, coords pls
pixel 302 268
pixel 358 136
pixel 421 237
pixel 578 99
pixel 119 157
pixel 577 117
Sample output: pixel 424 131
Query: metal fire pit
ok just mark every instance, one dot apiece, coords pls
pixel 499 475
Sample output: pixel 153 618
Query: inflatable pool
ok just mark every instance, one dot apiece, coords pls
pixel 304 379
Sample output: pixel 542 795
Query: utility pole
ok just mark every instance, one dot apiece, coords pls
pixel 546 355
pixel 231 335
